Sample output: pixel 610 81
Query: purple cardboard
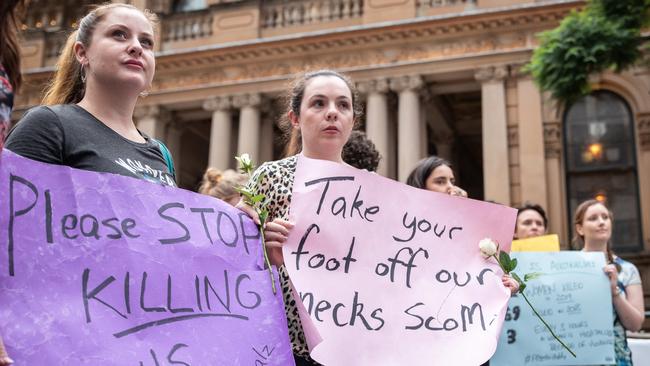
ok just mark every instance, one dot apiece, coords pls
pixel 100 269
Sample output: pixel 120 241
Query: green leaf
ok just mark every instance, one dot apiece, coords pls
pixel 263 214
pixel 513 264
pixel 504 259
pixel 517 278
pixel 258 198
pixel 532 276
pixel 243 190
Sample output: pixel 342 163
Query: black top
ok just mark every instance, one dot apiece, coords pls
pixel 69 135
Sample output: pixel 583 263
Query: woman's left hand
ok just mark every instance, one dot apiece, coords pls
pixel 510 283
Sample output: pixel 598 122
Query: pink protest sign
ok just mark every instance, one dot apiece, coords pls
pixel 392 275
pixel 100 269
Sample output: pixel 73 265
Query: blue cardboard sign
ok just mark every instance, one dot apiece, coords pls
pixel 574 298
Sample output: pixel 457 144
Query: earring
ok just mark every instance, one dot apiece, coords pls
pixel 82 73
pixel 144 93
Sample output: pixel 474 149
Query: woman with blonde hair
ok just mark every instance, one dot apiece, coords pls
pixel 593 232
pixel 222 185
pixel 87 118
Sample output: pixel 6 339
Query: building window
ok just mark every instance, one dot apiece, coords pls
pixel 188 5
pixel 601 163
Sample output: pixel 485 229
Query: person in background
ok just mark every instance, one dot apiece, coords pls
pixel 531 221
pixel 222 184
pixel 10 81
pixel 87 118
pixel 435 174
pixel 10 77
pixel 360 152
pixel 593 232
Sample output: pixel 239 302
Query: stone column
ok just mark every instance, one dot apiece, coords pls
pixel 267 137
pixel 152 120
pixel 444 145
pixel 443 135
pixel 531 143
pixel 248 140
pixel 555 181
pixel 408 124
pixel 496 174
pixel 643 168
pixel 377 120
pixel 220 132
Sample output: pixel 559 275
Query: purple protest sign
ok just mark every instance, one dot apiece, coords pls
pixel 99 269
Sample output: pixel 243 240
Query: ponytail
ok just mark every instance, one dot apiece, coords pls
pixel 67 86
pixel 294 145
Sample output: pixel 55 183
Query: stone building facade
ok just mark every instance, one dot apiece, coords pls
pixel 436 76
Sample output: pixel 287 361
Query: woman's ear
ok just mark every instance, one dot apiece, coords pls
pixel 295 123
pixel 80 53
pixel 579 230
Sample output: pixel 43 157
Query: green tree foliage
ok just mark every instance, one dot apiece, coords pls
pixel 606 34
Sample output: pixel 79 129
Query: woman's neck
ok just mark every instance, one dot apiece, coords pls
pixel 334 156
pixel 595 246
pixel 113 109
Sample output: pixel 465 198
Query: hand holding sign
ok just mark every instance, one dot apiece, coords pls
pixel 391 274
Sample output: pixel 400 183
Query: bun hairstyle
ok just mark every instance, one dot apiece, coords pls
pixel 220 184
pixel 68 84
pixel 294 101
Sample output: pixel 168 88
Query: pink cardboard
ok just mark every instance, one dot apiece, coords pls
pixel 392 275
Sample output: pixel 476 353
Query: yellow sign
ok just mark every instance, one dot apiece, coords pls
pixel 546 243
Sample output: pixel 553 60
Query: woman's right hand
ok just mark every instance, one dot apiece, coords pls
pixel 457 191
pixel 4 357
pixel 276 233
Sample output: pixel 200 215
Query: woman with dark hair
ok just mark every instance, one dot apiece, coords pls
pixel 87 118
pixel 10 77
pixel 531 221
pixel 593 232
pixel 435 174
pixel 360 152
pixel 322 108
pixel 10 80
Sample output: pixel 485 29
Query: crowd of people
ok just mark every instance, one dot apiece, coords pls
pixel 86 122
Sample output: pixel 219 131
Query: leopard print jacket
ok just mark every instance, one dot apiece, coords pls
pixel 277 185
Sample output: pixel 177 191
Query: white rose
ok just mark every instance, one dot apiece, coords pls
pixel 488 247
pixel 245 159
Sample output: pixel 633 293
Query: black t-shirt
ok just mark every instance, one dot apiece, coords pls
pixel 69 135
